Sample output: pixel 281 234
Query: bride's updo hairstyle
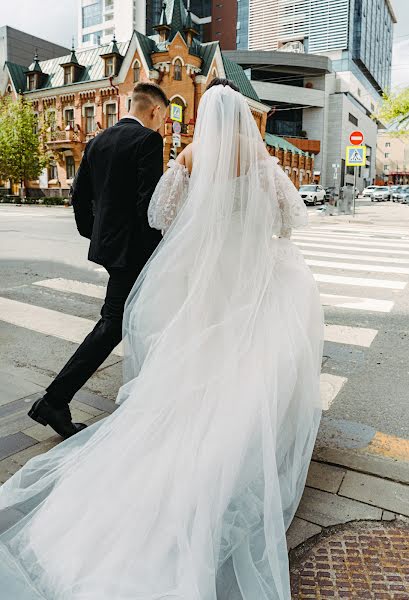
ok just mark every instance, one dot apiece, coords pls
pixel 223 82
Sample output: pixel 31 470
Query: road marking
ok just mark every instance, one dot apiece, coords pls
pixel 353 336
pixel 73 287
pixel 330 386
pixel 358 229
pixel 390 446
pixel 363 249
pixel 46 321
pixel 98 291
pixel 370 304
pixel 360 281
pixel 377 259
pixel 356 240
pixel 357 267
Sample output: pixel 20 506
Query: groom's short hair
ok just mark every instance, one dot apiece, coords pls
pixel 144 94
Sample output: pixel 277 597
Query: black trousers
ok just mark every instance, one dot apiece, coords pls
pixel 98 344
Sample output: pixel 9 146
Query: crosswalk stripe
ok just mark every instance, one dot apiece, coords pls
pixel 363 249
pixel 75 329
pixel 356 240
pixel 360 281
pixel 370 304
pixel 377 259
pixel 73 287
pixel 97 291
pixel 358 229
pixel 357 267
pixel 330 386
pixel 46 321
pixel 352 336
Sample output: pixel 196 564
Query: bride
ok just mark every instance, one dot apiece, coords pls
pixel 187 490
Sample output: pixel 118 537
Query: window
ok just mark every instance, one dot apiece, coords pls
pixel 111 114
pixel 359 91
pixel 177 73
pixel 70 167
pixel 386 154
pixel 387 144
pixel 67 75
pixel 69 117
pixel 35 124
pixel 52 170
pixel 95 37
pixel 89 119
pixel 136 72
pixel 109 66
pixel 31 82
pixel 92 14
pixel 52 120
pixel 386 167
pixel 109 17
pixel 352 119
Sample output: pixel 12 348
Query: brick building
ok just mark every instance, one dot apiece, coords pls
pixel 88 91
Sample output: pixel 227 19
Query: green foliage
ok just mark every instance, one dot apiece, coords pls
pixel 394 111
pixel 22 151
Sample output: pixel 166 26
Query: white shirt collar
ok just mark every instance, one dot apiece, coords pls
pixel 134 118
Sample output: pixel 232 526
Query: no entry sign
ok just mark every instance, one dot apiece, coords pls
pixel 356 138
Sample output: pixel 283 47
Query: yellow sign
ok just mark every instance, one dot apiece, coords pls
pixel 176 112
pixel 356 156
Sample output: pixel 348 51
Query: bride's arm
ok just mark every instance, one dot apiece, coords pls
pixel 170 193
pixel 293 210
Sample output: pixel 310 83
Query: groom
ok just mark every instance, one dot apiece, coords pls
pixel 110 195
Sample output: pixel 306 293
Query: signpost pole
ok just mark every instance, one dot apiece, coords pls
pixel 353 197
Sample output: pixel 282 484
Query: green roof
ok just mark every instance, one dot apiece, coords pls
pixel 237 74
pixel 148 46
pixel 18 75
pixel 207 52
pixel 278 142
pixel 89 59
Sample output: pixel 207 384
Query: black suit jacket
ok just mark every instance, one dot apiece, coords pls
pixel 111 193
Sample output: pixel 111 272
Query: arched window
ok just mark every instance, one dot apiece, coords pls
pixel 136 71
pixel 177 73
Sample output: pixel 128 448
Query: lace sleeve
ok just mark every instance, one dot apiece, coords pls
pixel 293 210
pixel 169 196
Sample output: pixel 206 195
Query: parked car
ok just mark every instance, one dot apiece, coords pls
pixel 400 193
pixel 380 194
pixel 395 189
pixel 404 195
pixel 312 194
pixel 367 192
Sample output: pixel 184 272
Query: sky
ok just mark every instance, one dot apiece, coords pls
pixel 56 21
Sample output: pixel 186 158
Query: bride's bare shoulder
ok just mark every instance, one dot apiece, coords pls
pixel 185 157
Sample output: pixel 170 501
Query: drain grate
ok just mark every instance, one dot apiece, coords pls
pixel 358 561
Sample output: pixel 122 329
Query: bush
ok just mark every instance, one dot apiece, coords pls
pixel 54 200
pixel 45 200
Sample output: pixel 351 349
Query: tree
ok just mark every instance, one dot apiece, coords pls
pixel 23 155
pixel 394 111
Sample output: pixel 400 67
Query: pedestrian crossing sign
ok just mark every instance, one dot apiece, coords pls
pixel 356 156
pixel 176 113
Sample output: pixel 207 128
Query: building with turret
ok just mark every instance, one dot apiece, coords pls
pixel 89 90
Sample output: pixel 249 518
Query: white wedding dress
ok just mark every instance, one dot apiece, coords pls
pixel 185 492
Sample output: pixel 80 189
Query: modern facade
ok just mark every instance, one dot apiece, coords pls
pixel 19 48
pixel 355 34
pixel 99 20
pixel 392 158
pixel 311 108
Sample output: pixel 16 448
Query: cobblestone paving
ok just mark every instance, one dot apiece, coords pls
pixel 358 561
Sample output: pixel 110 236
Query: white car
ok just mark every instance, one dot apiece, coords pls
pixel 381 193
pixel 368 191
pixel 312 194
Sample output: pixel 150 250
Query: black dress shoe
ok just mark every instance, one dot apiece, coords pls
pixel 58 418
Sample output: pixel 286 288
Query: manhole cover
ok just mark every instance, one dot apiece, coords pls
pixel 359 561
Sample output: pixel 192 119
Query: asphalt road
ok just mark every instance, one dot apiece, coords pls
pixel 50 294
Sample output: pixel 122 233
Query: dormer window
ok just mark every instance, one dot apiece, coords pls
pixel 109 66
pixel 177 73
pixel 67 75
pixel 31 82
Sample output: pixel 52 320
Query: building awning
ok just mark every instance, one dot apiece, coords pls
pixel 278 142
